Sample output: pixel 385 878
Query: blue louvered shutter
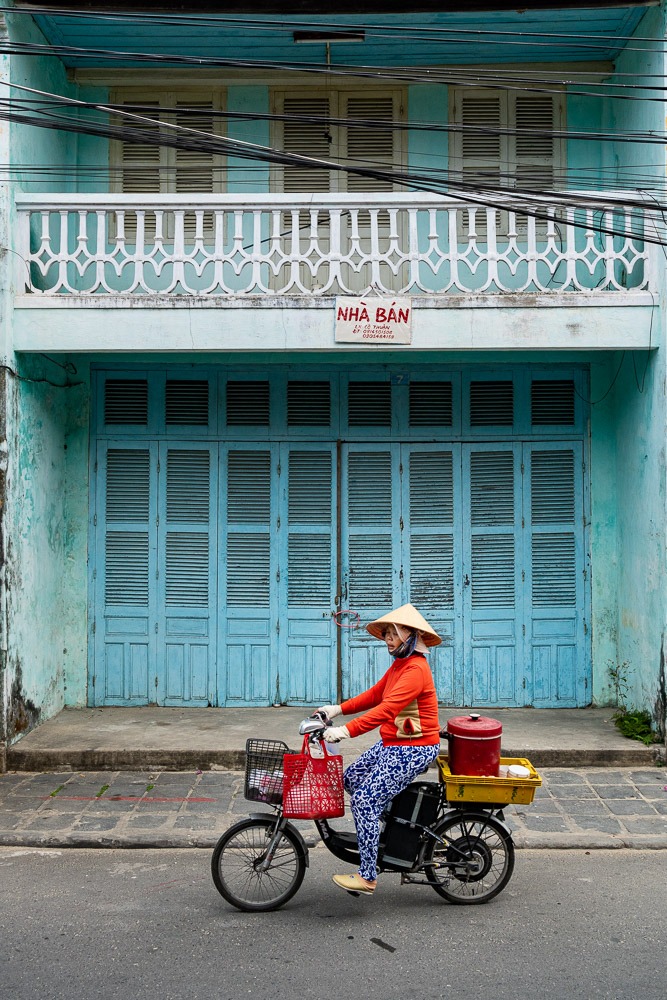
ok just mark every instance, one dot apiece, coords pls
pixel 432 552
pixel 492 605
pixel 372 547
pixel 250 575
pixel 555 574
pixel 124 576
pixel 188 564
pixel 308 586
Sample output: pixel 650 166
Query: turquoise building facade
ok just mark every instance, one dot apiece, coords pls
pixel 206 488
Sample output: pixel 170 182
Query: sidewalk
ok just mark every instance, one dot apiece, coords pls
pixel 165 777
pixel 584 808
pixel 135 739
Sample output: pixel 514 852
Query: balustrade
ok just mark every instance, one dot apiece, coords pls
pixel 323 245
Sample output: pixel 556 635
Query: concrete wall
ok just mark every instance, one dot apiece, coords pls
pixel 39 549
pixel 639 427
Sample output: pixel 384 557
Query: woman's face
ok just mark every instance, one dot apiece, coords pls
pixel 390 636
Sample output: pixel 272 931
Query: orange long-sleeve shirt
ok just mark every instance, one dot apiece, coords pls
pixel 403 704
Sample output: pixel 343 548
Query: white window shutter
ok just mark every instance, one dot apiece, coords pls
pixel 370 147
pixel 306 138
pixel 536 117
pixel 478 150
pixel 196 171
pixel 140 162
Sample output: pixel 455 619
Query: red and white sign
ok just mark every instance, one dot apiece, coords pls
pixel 373 321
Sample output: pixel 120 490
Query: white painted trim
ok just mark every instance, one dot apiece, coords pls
pixel 154 331
pixel 520 300
pixel 599 71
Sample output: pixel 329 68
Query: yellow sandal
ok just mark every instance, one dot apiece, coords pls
pixel 354 884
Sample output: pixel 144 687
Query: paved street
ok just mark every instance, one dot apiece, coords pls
pixel 571 925
pixel 590 808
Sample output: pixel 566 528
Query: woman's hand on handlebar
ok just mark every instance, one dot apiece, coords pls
pixel 328 712
pixel 334 734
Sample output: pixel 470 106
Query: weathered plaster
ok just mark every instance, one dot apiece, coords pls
pixel 496 327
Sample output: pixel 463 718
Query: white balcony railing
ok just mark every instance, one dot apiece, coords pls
pixel 322 245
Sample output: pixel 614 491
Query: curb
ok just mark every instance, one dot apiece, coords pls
pixel 234 760
pixel 544 841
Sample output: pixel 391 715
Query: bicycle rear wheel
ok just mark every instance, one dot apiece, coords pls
pixel 474 863
pixel 236 862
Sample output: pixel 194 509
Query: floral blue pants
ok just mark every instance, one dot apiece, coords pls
pixel 378 775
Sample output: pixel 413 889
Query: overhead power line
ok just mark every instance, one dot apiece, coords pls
pixel 342 24
pixel 492 195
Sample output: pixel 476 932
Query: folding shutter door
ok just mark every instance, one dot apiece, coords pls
pixel 492 595
pixel 431 556
pixel 307 671
pixel 555 561
pixel 371 555
pixel 187 573
pixel 248 615
pixel 125 569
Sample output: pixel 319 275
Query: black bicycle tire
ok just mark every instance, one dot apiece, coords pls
pixel 488 822
pixel 249 905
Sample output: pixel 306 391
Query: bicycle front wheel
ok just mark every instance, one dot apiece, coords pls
pixel 238 864
pixel 474 862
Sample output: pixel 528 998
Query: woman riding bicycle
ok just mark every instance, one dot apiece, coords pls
pixel 404 705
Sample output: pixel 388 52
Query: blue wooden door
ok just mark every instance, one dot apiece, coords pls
pixel 557 662
pixel 187 574
pixel 307 573
pixel 401 543
pixel 371 555
pixel 278 536
pixel 431 553
pixel 124 611
pixel 248 606
pixel 491 570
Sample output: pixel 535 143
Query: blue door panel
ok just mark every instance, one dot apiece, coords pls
pixel 124 567
pixel 557 654
pixel 491 522
pixel 306 573
pixel 371 545
pixel 248 619
pixel 187 573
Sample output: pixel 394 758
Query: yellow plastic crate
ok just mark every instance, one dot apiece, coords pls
pixel 499 791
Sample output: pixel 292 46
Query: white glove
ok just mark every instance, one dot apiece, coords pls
pixel 331 711
pixel 335 734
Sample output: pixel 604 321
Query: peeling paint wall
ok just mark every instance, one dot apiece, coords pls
pixel 638 415
pixel 39 545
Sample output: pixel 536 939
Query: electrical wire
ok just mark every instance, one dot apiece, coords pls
pixel 196 140
pixel 327 69
pixel 363 124
pixel 340 25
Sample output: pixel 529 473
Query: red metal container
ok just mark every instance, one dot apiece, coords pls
pixel 474 745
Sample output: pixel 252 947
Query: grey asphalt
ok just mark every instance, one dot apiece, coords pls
pixel 587 808
pixel 149 925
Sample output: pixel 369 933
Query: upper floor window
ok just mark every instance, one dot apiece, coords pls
pixel 507 138
pixel 146 162
pixel 353 128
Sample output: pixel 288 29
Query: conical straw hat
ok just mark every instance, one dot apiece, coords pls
pixel 408 616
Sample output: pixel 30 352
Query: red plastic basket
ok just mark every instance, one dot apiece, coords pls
pixel 313 786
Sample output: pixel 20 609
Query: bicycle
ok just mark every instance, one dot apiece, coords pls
pixel 463 851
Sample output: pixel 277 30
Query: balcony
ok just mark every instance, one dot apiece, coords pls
pixel 163 250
